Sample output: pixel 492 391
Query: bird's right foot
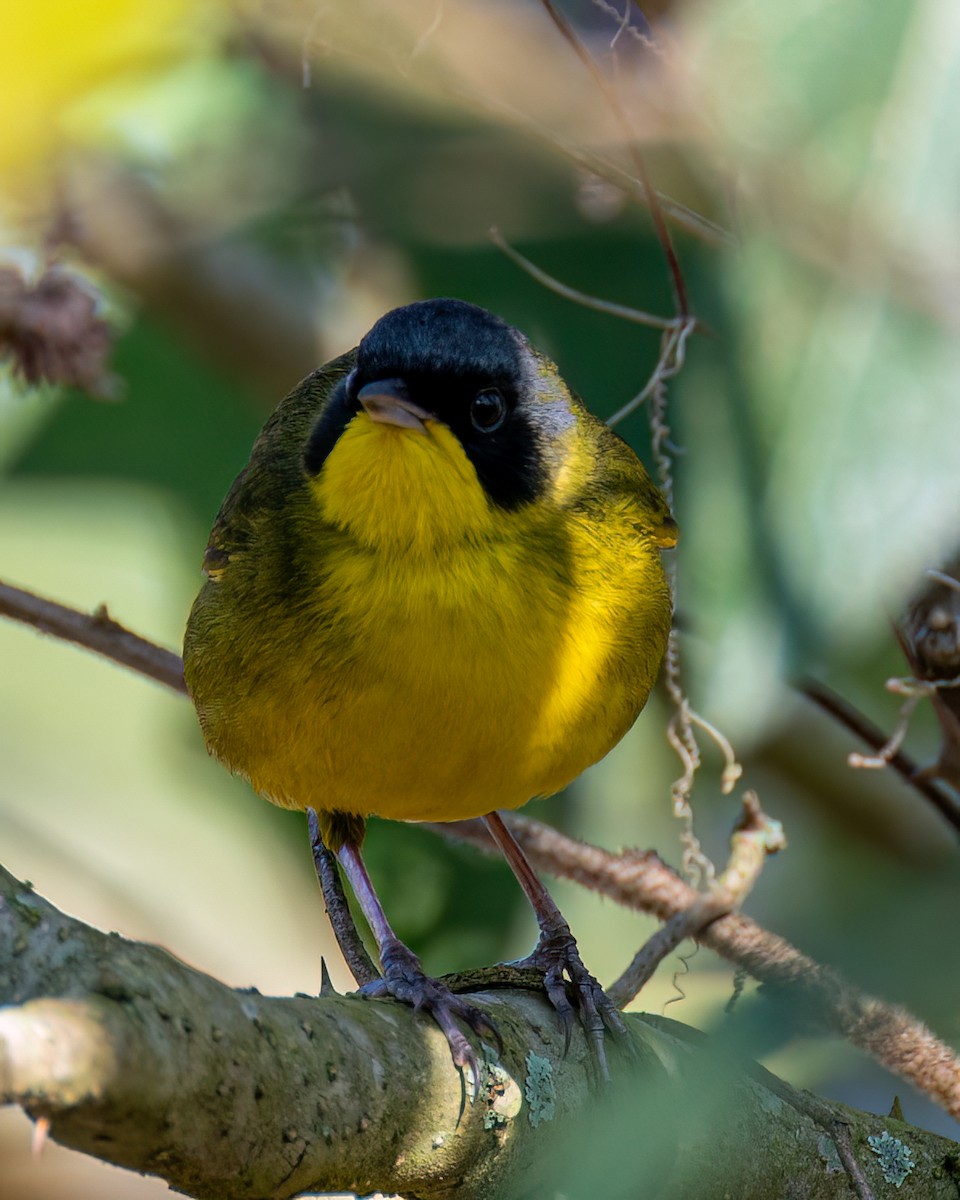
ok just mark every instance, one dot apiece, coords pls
pixel 557 956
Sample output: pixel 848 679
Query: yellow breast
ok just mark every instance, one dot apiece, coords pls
pixel 439 657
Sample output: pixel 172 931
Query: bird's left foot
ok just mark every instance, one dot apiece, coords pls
pixel 404 979
pixel 557 956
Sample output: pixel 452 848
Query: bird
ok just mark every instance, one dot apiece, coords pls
pixel 435 592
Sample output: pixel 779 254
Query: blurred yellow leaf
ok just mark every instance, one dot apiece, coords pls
pixel 57 54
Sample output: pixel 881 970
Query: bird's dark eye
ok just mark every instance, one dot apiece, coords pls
pixel 488 410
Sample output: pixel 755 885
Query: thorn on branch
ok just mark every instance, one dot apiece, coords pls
pixel 95 631
pixel 39 1138
pixel 326 983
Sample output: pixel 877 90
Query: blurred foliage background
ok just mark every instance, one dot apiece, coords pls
pixel 244 187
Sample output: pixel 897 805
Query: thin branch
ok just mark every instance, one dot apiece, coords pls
pixel 680 730
pixel 938 576
pixel 661 943
pixel 755 838
pixel 832 1123
pixel 641 880
pixel 643 36
pixel 840 1133
pixel 881 760
pixel 670 362
pixel 854 720
pixel 649 192
pixel 636 315
pixel 595 163
pixel 95 631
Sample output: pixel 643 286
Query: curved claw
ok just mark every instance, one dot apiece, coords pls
pixel 404 980
pixel 557 956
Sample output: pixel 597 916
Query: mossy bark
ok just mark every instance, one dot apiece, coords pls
pixel 141 1061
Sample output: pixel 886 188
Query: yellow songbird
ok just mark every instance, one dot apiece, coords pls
pixel 434 591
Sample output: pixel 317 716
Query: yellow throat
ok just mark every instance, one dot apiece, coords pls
pixel 402 490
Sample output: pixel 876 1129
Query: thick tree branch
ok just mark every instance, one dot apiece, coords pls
pixel 139 1060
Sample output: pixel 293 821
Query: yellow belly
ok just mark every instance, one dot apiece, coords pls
pixel 469 685
pixel 396 673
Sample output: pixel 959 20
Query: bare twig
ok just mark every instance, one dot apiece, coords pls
pixel 893 743
pixel 680 730
pixel 938 576
pixel 840 1133
pixel 643 36
pixel 838 1130
pixel 636 315
pixel 661 943
pixel 914 690
pixel 596 163
pixel 829 1118
pixel 95 631
pixel 854 720
pixel 669 363
pixel 640 167
pixel 755 837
